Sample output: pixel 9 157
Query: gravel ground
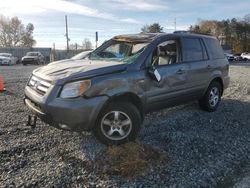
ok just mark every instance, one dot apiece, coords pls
pixel 203 149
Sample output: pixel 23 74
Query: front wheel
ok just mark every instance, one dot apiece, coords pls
pixel 118 123
pixel 211 100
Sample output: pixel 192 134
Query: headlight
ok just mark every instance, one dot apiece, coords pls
pixel 75 89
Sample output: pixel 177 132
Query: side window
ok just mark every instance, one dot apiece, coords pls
pixel 214 48
pixel 165 53
pixel 192 50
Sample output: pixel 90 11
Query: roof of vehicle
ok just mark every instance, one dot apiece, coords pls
pixel 140 37
pixel 148 37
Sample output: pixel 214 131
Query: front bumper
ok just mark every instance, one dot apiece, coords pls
pixel 78 114
pixel 30 61
pixel 5 62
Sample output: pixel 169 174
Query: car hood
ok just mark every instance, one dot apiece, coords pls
pixel 77 68
pixel 30 57
pixel 4 58
pixel 59 62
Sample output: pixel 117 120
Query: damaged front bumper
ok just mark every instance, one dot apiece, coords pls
pixel 78 114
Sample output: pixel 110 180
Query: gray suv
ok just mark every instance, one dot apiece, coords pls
pixel 35 58
pixel 110 92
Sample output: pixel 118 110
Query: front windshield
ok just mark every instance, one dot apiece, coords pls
pixel 125 52
pixel 32 54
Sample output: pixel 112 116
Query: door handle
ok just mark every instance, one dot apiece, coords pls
pixel 180 71
pixel 209 67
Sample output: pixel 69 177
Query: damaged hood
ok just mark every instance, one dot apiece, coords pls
pixel 56 71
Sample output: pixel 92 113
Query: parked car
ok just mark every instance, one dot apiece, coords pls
pixel 7 59
pixel 237 57
pixel 128 76
pixel 35 58
pixel 245 56
pixel 230 57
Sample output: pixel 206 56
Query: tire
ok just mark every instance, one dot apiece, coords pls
pixel 211 100
pixel 109 129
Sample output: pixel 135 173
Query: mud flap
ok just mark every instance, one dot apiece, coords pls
pixel 31 121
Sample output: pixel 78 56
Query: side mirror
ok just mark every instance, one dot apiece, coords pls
pixel 153 72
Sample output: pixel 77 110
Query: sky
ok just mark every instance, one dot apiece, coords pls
pixel 114 17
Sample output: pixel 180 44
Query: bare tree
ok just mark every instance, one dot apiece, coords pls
pixel 13 33
pixel 87 45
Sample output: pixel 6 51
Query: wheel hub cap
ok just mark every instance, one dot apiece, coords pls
pixel 214 97
pixel 116 125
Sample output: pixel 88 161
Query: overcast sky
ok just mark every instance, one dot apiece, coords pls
pixel 113 17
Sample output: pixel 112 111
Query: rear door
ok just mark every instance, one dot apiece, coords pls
pixel 195 55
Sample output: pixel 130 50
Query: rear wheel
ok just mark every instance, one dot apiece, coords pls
pixel 211 100
pixel 118 123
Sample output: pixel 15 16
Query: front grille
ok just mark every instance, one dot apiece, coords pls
pixel 29 59
pixel 39 85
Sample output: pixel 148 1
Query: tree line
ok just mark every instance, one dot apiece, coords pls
pixel 234 33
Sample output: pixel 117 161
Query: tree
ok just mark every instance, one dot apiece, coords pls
pixel 27 39
pixel 153 28
pixel 13 33
pixel 234 33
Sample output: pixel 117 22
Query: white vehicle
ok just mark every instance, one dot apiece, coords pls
pixel 245 55
pixel 7 59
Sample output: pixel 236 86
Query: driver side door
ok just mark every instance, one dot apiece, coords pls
pixel 172 86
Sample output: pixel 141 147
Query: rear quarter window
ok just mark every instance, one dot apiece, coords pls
pixel 214 49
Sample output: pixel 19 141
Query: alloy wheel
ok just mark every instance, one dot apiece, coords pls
pixel 116 125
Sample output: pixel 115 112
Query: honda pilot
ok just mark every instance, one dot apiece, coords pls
pixel 111 90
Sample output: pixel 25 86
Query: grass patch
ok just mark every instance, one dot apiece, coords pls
pixel 128 160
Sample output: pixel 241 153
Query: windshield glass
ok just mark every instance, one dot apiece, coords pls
pixel 32 54
pixel 119 51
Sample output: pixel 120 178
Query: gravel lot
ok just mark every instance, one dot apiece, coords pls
pixel 202 149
